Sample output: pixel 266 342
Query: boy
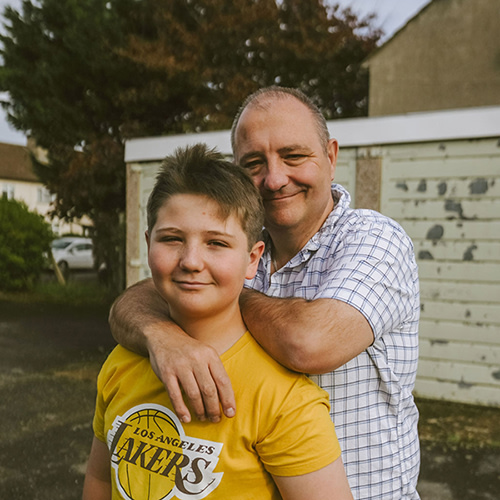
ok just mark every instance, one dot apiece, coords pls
pixel 204 222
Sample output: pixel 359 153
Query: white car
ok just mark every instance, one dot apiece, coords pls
pixel 73 253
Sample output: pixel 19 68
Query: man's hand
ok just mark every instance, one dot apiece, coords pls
pixel 139 321
pixel 188 366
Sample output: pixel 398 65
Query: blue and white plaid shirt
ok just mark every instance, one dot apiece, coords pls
pixel 366 260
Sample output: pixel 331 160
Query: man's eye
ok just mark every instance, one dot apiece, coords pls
pixel 252 165
pixel 295 158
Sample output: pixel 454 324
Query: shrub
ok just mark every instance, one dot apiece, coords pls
pixel 24 241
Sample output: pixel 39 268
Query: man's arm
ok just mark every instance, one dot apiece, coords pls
pixel 329 483
pixel 139 321
pixel 308 336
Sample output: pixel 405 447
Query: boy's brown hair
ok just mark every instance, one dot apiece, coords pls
pixel 200 170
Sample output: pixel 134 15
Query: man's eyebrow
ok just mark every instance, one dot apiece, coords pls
pixel 293 148
pixel 282 151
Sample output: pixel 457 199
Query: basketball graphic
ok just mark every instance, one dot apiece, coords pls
pixel 153 459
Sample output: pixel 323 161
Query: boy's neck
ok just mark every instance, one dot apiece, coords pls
pixel 220 331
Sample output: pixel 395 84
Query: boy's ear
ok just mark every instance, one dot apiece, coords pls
pixel 146 234
pixel 255 255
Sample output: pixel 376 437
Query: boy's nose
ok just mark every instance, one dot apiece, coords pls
pixel 191 258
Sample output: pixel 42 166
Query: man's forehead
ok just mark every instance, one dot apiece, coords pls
pixel 273 111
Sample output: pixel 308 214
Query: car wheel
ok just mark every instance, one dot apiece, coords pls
pixel 63 267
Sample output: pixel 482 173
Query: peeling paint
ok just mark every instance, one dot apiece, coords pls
pixel 422 186
pixel 435 232
pixel 468 253
pixel 439 342
pixel 465 385
pixel 479 186
pixel 402 185
pixel 467 313
pixel 425 255
pixel 496 375
pixel 442 188
pixel 454 206
pixel 422 308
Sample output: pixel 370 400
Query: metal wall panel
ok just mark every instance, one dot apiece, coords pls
pixel 447 196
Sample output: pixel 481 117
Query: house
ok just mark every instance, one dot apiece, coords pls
pixel 18 181
pixel 446 57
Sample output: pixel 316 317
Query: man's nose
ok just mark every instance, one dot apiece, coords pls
pixel 275 176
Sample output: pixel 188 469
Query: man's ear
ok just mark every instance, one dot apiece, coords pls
pixel 255 255
pixel 332 153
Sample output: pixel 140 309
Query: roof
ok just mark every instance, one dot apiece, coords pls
pixel 454 124
pixel 16 164
pixel 366 61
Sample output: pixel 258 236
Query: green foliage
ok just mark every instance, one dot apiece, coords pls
pixel 85 75
pixel 24 238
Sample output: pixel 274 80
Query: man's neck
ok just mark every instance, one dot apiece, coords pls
pixel 287 243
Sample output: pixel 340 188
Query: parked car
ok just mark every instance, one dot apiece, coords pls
pixel 73 253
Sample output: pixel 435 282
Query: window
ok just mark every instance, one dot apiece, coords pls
pixel 8 191
pixel 44 196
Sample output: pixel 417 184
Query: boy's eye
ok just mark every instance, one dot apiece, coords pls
pixel 218 243
pixel 169 239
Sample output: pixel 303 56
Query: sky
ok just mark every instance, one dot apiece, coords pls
pixel 391 16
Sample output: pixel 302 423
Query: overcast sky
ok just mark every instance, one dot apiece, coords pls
pixel 391 15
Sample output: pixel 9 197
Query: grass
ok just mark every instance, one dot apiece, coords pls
pixel 456 425
pixel 72 294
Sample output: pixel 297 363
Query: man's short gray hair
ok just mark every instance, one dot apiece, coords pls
pixel 262 97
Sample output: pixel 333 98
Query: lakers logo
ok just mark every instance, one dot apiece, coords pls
pixel 153 459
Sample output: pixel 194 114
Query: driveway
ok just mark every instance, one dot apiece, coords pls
pixel 49 359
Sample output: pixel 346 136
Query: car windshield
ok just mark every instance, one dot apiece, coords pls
pixel 60 244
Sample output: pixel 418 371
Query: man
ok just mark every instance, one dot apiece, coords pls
pixel 336 294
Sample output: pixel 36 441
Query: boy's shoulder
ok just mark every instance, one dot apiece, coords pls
pixel 249 366
pixel 121 361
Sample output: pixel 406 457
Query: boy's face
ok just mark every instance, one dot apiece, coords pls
pixel 198 260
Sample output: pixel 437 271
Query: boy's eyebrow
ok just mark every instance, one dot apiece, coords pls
pixel 208 231
pixel 220 233
pixel 168 228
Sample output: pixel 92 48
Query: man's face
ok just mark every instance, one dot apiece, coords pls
pixel 280 147
pixel 199 260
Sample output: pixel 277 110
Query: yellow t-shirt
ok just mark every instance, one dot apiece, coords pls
pixel 282 427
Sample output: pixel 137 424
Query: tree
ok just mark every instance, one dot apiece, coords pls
pixel 85 75
pixel 24 239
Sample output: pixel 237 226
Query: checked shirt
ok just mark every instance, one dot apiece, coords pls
pixel 366 260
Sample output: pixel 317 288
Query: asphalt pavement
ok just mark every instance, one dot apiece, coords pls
pixel 49 360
